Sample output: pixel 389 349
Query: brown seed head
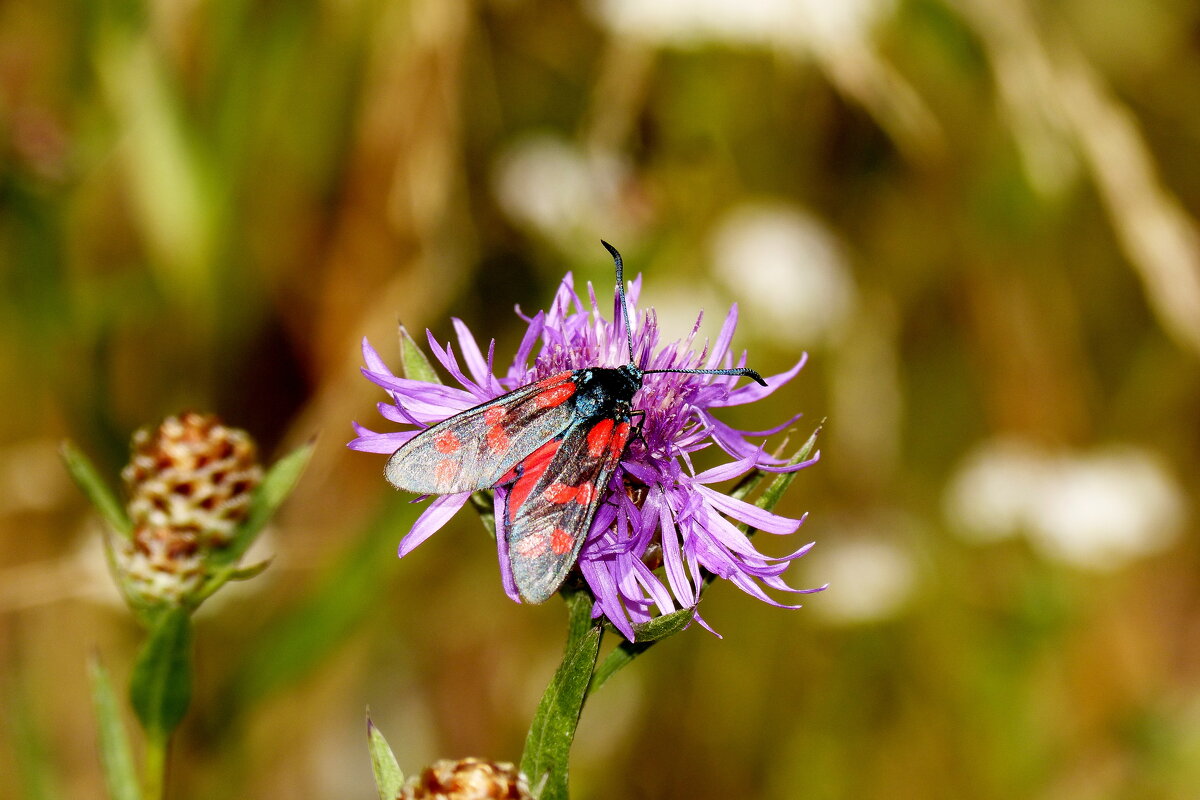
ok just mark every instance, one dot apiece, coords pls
pixel 191 476
pixel 469 779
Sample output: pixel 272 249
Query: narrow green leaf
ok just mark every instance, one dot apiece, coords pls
pixel 161 685
pixel 38 774
pixel 579 616
pixel 97 490
pixel 276 485
pixel 388 777
pixel 548 745
pixel 252 571
pixel 664 626
pixel 116 755
pixel 774 492
pixel 413 361
pixel 645 634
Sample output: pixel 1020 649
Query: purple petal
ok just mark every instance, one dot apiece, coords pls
pixel 507 581
pixel 420 390
pixel 474 358
pixel 725 472
pixel 721 348
pixel 751 588
pixel 673 559
pixel 696 616
pixel 753 391
pixel 385 443
pixel 447 359
pixel 653 586
pixel 750 514
pixel 372 359
pixel 438 514
pixel 532 334
pixel 776 428
pixel 604 588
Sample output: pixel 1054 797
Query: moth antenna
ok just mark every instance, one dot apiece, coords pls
pixel 621 293
pixel 749 373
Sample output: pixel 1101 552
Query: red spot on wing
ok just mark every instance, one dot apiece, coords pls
pixel 530 546
pixel 598 438
pixel 559 493
pixel 445 471
pixel 554 396
pixel 497 440
pixel 585 493
pixel 447 442
pixel 532 468
pixel 493 415
pixel 620 437
pixel 553 380
pixel 561 542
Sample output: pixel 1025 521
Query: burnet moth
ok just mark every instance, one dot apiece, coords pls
pixel 552 444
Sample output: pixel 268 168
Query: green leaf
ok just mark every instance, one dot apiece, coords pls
pixel 97 490
pixel 116 755
pixel 161 685
pixel 645 635
pixel 579 615
pixel 388 777
pixel 38 774
pixel 276 485
pixel 413 361
pixel 252 571
pixel 774 492
pixel 548 745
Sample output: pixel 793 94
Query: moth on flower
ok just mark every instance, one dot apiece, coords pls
pixel 559 441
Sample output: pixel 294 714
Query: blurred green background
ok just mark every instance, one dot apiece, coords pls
pixel 978 216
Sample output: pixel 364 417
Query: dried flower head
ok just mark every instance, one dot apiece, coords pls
pixel 189 482
pixel 192 474
pixel 469 779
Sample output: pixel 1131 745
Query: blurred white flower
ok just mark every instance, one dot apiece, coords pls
pixel 546 183
pixel 788 269
pixel 789 24
pixel 1100 511
pixel 1094 511
pixel 992 495
pixel 870 577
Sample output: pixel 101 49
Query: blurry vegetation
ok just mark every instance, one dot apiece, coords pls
pixel 980 218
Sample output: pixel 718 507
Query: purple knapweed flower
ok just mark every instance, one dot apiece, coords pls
pixel 657 509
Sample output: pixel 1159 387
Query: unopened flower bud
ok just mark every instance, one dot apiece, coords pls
pixel 192 474
pixel 189 481
pixel 468 779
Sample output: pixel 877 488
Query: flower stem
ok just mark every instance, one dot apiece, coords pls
pixel 548 745
pixel 155 766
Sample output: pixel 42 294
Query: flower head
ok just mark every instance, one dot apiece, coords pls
pixel 189 482
pixel 468 779
pixel 657 509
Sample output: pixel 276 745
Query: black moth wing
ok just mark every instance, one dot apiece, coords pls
pixel 549 509
pixel 473 449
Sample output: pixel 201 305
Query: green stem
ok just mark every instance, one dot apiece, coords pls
pixel 548 746
pixel 155 766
